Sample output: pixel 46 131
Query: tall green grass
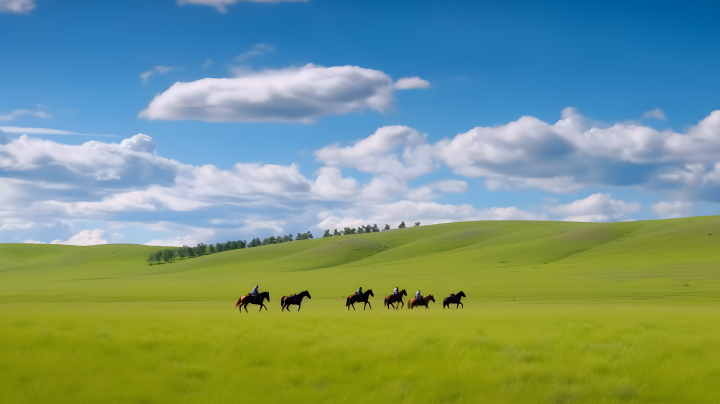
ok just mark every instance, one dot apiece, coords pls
pixel 556 313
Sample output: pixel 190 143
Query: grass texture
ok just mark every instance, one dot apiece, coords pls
pixel 556 312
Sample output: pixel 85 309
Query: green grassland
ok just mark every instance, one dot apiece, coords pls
pixel 556 312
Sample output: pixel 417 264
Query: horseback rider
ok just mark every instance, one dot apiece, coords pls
pixel 395 292
pixel 359 292
pixel 419 298
pixel 254 293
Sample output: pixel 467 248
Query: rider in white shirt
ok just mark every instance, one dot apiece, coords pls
pixel 419 297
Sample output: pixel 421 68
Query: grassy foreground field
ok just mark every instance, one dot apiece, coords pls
pixel 556 313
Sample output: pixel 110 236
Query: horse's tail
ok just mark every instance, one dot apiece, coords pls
pixel 238 302
pixel 385 303
pixel 347 301
pixel 282 301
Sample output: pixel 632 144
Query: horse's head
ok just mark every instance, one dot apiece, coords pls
pixel 265 294
pixel 461 294
pixel 369 292
pixel 306 293
pixel 431 297
pixel 403 292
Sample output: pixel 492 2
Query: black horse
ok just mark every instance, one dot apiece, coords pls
pixel 286 301
pixel 352 299
pixel 454 299
pixel 389 300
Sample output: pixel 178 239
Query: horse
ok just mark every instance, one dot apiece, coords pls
pixel 286 301
pixel 352 299
pixel 389 300
pixel 454 299
pixel 244 300
pixel 425 302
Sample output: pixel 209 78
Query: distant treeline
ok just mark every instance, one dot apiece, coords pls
pixel 169 254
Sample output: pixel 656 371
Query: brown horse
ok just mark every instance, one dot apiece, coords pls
pixel 244 300
pixel 352 299
pixel 389 300
pixel 425 302
pixel 286 301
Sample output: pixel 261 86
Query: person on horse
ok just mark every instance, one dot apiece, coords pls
pixel 419 298
pixel 254 293
pixel 395 292
pixel 359 292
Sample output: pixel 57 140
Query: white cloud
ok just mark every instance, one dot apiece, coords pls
pixel 221 5
pixel 410 83
pixel 31 241
pixel 656 113
pixel 564 157
pixel 294 94
pixel 20 112
pixel 257 50
pixel 17 6
pixel 596 208
pixel 156 70
pixel 12 223
pixel 376 154
pixel 195 236
pixel 669 210
pixel 424 212
pixel 85 237
pixel 45 131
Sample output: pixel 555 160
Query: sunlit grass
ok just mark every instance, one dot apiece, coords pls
pixel 600 315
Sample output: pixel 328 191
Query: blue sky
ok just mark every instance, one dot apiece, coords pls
pixel 268 118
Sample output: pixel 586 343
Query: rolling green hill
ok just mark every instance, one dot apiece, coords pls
pixel 556 312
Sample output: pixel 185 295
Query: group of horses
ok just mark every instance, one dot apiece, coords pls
pixel 390 301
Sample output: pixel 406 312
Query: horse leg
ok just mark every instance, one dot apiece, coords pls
pixel 353 305
pixel 299 304
pixel 245 307
pixel 461 305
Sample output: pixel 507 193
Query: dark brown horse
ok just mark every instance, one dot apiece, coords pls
pixel 286 301
pixel 425 302
pixel 244 300
pixel 352 299
pixel 390 300
pixel 454 299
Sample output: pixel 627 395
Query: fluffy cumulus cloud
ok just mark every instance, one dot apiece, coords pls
pixel 294 94
pixel 563 157
pixel 597 208
pixel 64 188
pixel 17 6
pixel 85 237
pixel 670 210
pixel 379 153
pixel 221 5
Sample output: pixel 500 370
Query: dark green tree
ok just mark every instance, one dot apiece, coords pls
pixel 158 256
pixel 180 252
pixel 336 233
pixel 309 235
pixel 151 258
pixel 211 249
pixel 201 248
pixel 375 229
pixel 168 255
pixel 220 247
pixel 402 225
pixel 387 227
pixel 417 224
pixel 327 234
